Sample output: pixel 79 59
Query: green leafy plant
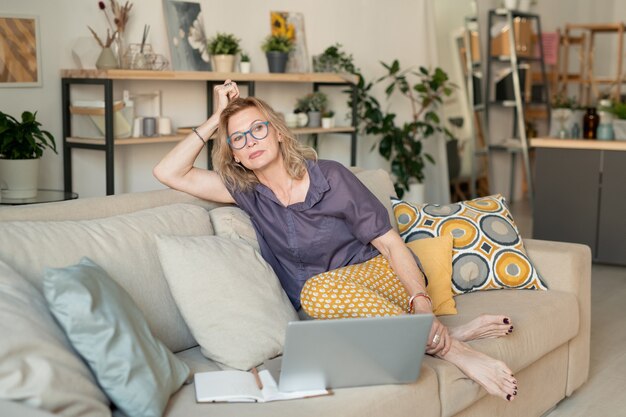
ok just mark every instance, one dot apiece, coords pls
pixel 277 43
pixel 560 101
pixel 402 143
pixel 619 110
pixel 23 139
pixel 223 44
pixel 245 57
pixel 313 102
pixel 334 59
pixel 328 113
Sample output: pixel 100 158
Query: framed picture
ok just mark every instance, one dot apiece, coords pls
pixel 20 55
pixel 186 36
pixel 291 24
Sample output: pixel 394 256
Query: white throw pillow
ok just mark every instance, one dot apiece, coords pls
pixel 229 297
pixel 38 366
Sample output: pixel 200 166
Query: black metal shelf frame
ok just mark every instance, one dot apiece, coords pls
pixel 109 140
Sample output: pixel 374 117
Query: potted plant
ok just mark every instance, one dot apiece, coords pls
pixel 328 119
pixel 402 143
pixel 21 145
pixel 333 59
pixel 277 48
pixel 566 117
pixel 244 63
pixel 313 104
pixel 619 121
pixel 223 47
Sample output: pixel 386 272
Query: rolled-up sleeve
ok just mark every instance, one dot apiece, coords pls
pixel 364 213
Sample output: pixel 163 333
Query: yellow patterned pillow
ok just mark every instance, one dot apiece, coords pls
pixel 488 251
pixel 435 254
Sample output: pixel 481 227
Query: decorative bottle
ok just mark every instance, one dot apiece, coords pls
pixel 590 123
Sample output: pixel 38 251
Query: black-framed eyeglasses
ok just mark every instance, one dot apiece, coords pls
pixel 258 131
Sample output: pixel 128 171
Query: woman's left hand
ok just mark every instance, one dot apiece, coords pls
pixel 438 339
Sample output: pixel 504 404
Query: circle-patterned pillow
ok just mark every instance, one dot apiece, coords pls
pixel 488 251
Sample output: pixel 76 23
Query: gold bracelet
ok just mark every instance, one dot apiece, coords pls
pixel 199 136
pixel 416 295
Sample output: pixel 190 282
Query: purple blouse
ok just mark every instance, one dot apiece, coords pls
pixel 331 229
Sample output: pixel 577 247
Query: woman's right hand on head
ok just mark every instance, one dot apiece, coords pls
pixel 224 94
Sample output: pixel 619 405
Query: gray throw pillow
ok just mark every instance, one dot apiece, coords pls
pixel 108 330
pixel 38 367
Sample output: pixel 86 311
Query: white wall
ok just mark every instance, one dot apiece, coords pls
pixel 371 30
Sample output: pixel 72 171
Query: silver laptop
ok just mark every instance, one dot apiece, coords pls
pixel 340 353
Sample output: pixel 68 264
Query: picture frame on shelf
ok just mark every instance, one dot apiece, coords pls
pixel 291 24
pixel 20 51
pixel 186 36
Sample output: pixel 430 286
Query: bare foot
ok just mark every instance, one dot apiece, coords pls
pixel 482 327
pixel 493 375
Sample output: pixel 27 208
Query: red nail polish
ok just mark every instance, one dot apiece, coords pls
pixel 506 321
pixel 514 392
pixel 508 397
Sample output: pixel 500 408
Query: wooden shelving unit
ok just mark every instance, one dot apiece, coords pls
pixel 106 78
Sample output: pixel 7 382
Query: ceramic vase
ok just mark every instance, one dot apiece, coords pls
pixel 315 118
pixel 18 178
pixel 223 63
pixel 277 61
pixel 245 67
pixel 106 60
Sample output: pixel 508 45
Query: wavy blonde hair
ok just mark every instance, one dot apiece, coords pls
pixel 235 174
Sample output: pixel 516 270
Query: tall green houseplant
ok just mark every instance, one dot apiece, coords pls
pixel 402 143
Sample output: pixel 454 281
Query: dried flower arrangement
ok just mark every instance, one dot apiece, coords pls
pixel 116 19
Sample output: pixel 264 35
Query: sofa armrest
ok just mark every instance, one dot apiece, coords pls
pixel 567 267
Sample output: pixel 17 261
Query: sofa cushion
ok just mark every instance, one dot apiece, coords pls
pixel 542 320
pixel 435 254
pixel 235 224
pixel 37 363
pixel 123 245
pixel 379 183
pixel 108 330
pixel 418 398
pixel 229 296
pixel 488 249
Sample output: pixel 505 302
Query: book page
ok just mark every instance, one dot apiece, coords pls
pixel 226 386
pixel 270 390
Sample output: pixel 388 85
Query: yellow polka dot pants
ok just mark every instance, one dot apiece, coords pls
pixel 364 290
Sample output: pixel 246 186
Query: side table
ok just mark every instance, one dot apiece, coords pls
pixel 43 196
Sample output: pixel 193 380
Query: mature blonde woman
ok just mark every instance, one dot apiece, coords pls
pixel 327 237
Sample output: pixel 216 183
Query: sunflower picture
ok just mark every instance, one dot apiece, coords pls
pixel 280 25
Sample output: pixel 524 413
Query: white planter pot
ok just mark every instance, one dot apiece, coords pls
pixel 415 194
pixel 619 129
pixel 245 67
pixel 328 122
pixel 223 63
pixel 510 4
pixel 18 178
pixel 524 6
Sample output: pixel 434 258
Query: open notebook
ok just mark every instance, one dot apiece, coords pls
pixel 242 386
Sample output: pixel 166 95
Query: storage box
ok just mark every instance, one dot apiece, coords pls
pixel 89 119
pixel 523 39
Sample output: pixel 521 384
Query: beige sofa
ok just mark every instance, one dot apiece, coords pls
pixel 548 351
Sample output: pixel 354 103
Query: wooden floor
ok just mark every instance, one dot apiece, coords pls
pixel 604 394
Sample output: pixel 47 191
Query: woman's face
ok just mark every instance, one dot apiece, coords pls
pixel 256 138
